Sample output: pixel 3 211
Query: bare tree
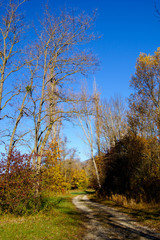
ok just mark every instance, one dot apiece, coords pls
pixel 60 58
pixel 86 119
pixel 114 121
pixel 97 112
pixel 11 26
pixel 22 110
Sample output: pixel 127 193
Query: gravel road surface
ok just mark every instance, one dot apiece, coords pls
pixel 104 223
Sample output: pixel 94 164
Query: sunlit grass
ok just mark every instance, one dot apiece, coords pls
pixel 79 192
pixel 59 220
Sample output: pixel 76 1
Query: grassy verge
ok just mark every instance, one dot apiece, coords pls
pixel 145 214
pixel 59 220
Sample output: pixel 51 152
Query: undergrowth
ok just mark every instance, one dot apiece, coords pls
pixel 147 214
pixel 58 219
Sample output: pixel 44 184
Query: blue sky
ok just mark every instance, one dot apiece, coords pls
pixel 127 27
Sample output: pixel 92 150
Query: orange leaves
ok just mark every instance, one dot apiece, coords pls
pixel 52 154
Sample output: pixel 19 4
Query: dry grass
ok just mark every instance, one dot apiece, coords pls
pixel 146 214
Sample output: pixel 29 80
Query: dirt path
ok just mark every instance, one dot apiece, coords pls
pixel 105 223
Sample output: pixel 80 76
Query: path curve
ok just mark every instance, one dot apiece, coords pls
pixel 104 223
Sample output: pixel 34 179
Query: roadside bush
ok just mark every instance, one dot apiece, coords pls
pixel 133 169
pixel 17 185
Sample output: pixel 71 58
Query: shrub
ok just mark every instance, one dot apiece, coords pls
pixel 17 185
pixel 133 169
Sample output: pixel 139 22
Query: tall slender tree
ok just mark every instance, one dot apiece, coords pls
pixel 114 124
pixel 11 61
pixel 61 57
pixel 145 100
pixel 86 118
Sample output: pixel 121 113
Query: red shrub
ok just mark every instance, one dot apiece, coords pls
pixel 17 184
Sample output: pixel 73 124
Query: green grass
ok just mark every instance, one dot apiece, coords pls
pixel 79 192
pixel 59 220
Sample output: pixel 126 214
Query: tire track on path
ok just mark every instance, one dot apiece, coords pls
pixel 103 223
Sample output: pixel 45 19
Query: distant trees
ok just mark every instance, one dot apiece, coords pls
pixel 103 124
pixel 98 119
pixel 114 121
pixel 60 175
pixel 86 118
pixel 52 176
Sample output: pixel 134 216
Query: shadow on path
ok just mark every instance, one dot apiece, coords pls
pixel 105 223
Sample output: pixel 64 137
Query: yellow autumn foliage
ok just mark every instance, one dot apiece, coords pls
pixel 79 179
pixel 59 176
pixel 52 176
